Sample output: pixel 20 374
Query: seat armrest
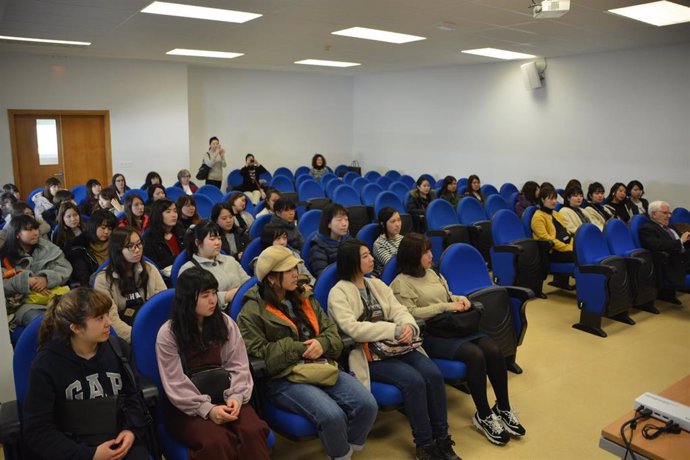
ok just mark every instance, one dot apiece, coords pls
pixel 597 270
pixel 521 293
pixel 258 367
pixel 513 249
pixel 10 427
pixel 149 390
pixel 348 342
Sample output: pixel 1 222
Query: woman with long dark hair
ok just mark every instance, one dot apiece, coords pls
pixel 366 310
pixel 527 197
pixel 243 220
pixel 639 205
pixel 425 293
pixel 203 248
pixel 386 245
pixel 135 216
pixel 77 366
pixel 573 214
pixel 93 189
pixel 199 334
pixel 69 225
pixel 233 241
pixel 44 201
pixel 90 249
pixel 119 184
pixel 164 239
pixel 474 188
pixel 617 202
pixel 187 212
pixel 420 199
pixel 128 279
pixel 597 212
pixel 30 264
pixel 152 178
pixel 449 190
pixel 334 228
pixel 155 192
pixel 285 326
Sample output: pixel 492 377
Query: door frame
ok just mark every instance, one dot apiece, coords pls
pixel 11 113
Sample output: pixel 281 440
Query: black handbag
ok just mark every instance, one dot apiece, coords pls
pixel 355 168
pixel 204 169
pixel 211 380
pixel 451 324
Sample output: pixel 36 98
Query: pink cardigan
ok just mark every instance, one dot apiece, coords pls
pixel 181 391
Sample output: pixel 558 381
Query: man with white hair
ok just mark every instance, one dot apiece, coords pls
pixel 657 236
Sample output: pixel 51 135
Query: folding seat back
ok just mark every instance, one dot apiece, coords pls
pixel 440 214
pixel 473 215
pixel 400 189
pixel 350 177
pixel 371 176
pixel 680 216
pixel 285 172
pixel 443 227
pixel 390 270
pixel 495 203
pixel 507 190
pixel 251 252
pixel 488 190
pixel 341 170
pixel 204 205
pixel 326 178
pixel 265 177
pixel 527 220
pixel 174 193
pixel 36 191
pixel 326 280
pixel 211 192
pixel 309 222
pixel 181 259
pixel 388 199
pixel 79 193
pixel 636 224
pixel 308 190
pixel 393 174
pixel 358 184
pixel 283 184
pixel 331 185
pixel 407 180
pixel 346 195
pixel 369 193
pixel 258 226
pixel 135 191
pixel 368 234
pixel 235 179
pixel 384 182
pixel 301 171
pixel 428 177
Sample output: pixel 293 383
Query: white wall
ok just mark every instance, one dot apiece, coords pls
pixel 149 129
pixel 608 117
pixel 283 118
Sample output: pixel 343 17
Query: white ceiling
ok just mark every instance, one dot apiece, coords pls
pixel 291 30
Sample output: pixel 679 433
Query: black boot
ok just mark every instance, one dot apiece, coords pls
pixel 444 449
pixel 427 452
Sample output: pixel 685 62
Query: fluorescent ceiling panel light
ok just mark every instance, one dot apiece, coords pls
pixel 656 13
pixel 43 40
pixel 204 53
pixel 199 12
pixel 378 35
pixel 327 63
pixel 498 54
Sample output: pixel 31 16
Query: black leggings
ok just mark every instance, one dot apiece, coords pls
pixel 483 357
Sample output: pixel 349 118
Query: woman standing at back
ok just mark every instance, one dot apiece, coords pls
pixel 214 158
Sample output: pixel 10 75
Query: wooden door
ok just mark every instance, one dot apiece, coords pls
pixel 82 143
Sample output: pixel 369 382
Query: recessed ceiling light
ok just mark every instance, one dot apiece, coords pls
pixel 499 54
pixel 43 40
pixel 656 13
pixel 327 63
pixel 378 35
pixel 204 53
pixel 199 12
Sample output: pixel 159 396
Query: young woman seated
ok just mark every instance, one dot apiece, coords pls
pixel 276 235
pixel 164 239
pixel 617 202
pixel 251 182
pixel 109 200
pixel 334 228
pixel 119 184
pixel 527 197
pixel 7 199
pixel 272 195
pixel 386 245
pixel 11 188
pixel 233 241
pixel 548 225
pixel 152 178
pixel 155 192
pixel 135 216
pixel 128 279
pixel 419 201
pixel 572 213
pixel 50 216
pixel 285 326
pixel 78 378
pixel 318 167
pixel 21 208
pixel 43 201
pixel 449 190
pixel 284 216
pixel 69 225
pixel 426 295
pixel 474 188
pixel 198 334
pixel 184 181
pixel 596 212
pixel 203 249
pixel 366 310
pixel 93 189
pixel 32 268
pixel 90 249
pixel 638 204
pixel 188 214
pixel 243 220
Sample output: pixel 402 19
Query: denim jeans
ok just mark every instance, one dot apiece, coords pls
pixel 343 413
pixel 424 393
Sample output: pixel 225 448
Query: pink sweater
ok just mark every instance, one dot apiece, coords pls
pixel 181 391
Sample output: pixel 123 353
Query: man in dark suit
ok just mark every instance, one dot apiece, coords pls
pixel 657 236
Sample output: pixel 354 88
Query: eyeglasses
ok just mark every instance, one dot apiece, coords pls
pixel 185 177
pixel 134 246
pixel 666 213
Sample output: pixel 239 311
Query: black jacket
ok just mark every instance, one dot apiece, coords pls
pixel 156 248
pixel 295 239
pixel 247 184
pixel 83 263
pixel 57 375
pixel 656 239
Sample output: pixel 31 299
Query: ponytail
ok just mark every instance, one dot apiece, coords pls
pixel 75 307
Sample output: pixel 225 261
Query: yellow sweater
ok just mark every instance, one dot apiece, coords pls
pixel 544 229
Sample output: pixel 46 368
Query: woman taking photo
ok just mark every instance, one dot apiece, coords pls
pixel 77 367
pixel 548 225
pixel 617 202
pixel 214 158
pixel 366 310
pixel 135 216
pixel 128 279
pixel 90 249
pixel 199 334
pixel 203 249
pixel 386 245
pixel 30 265
pixel 251 174
pixel 164 239
pixel 573 214
pixel 69 225
pixel 120 186
pixel 419 201
pixel 318 167
pixel 188 214
pixel 285 326
pixel 334 228
pixel 527 197
pixel 426 295
pixel 449 190
pixel 474 188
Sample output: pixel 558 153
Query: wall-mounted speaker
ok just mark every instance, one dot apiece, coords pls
pixel 530 75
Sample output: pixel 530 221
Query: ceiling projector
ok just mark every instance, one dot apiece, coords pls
pixel 550 9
